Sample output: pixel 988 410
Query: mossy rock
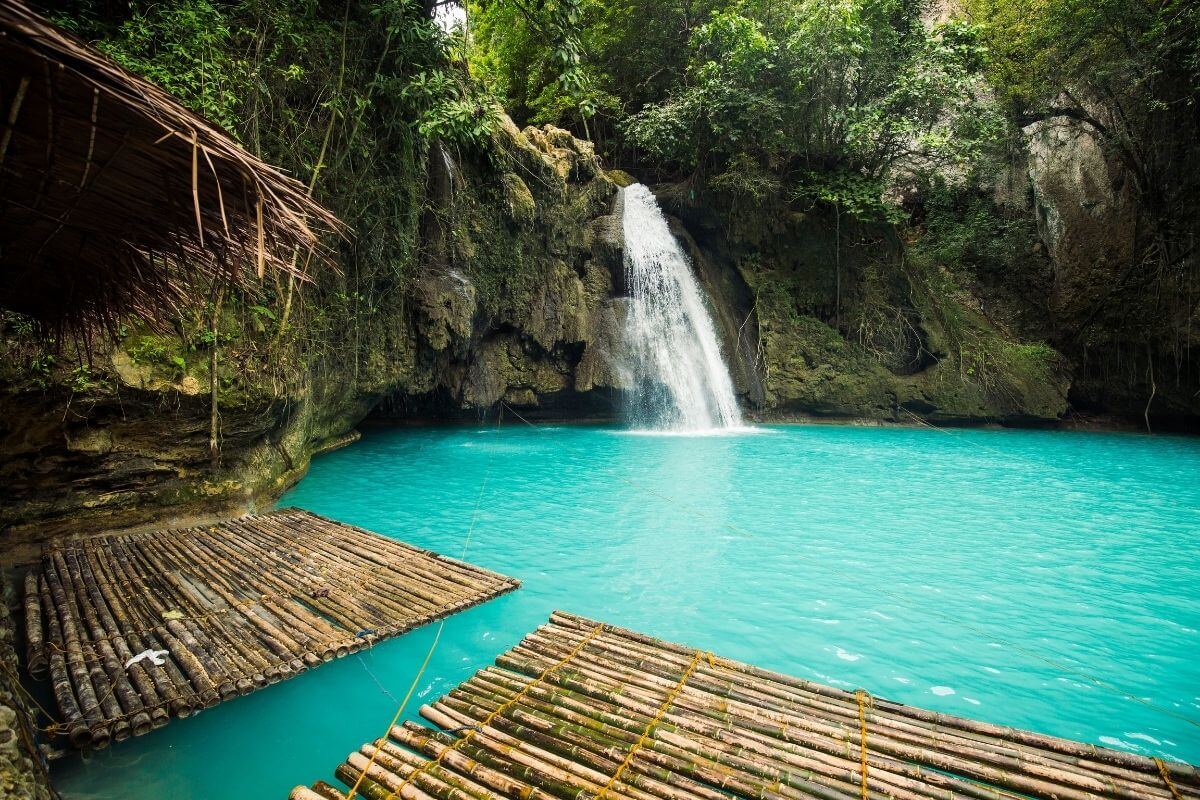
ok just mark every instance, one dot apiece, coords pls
pixel 620 177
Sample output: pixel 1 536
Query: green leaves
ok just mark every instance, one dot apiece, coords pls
pixel 857 91
pixel 186 48
pixel 850 193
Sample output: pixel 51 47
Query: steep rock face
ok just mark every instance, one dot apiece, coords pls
pixel 511 300
pixel 1125 320
pixel 823 318
pixel 1086 214
pixel 519 307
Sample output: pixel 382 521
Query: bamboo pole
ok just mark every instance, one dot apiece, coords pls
pixel 570 707
pixel 78 731
pixel 147 689
pixel 597 681
pixel 1146 781
pixel 117 682
pixel 169 680
pixel 235 606
pixel 76 662
pixel 35 659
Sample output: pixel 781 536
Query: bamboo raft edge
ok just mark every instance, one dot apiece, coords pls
pixel 132 629
pixel 581 709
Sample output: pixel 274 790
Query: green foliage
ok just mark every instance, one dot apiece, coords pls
pixel 82 379
pixel 185 47
pixel 148 350
pixel 851 193
pixel 755 99
pixel 1127 73
pixel 532 56
pixel 1106 48
pixel 964 229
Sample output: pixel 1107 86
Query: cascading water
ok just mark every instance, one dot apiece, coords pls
pixel 680 382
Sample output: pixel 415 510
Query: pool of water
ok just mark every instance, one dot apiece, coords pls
pixel 1047 580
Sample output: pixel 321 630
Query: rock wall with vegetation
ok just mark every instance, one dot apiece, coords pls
pixel 980 209
pixel 478 268
pixel 511 300
pixel 23 770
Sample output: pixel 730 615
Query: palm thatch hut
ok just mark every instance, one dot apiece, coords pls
pixel 116 199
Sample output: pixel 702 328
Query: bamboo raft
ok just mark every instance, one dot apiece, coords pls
pixel 226 609
pixel 582 710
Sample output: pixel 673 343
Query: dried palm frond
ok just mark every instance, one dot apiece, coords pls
pixel 115 199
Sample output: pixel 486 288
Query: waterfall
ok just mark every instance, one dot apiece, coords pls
pixel 674 363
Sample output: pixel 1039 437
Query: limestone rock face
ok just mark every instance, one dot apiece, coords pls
pixel 820 318
pixel 1085 210
pixel 517 306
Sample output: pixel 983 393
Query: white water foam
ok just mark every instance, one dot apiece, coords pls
pixel 681 384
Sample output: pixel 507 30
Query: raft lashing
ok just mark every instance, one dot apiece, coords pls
pixel 582 710
pixel 135 628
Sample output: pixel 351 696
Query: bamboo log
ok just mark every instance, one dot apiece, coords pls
pixel 452 760
pixel 392 561
pixel 570 719
pixel 76 661
pixel 117 683
pixel 372 788
pixel 304 793
pixel 403 761
pixel 1125 785
pixel 770 725
pixel 78 731
pixel 35 659
pixel 147 689
pixel 901 727
pixel 1037 770
pixel 196 653
pixel 282 644
pixel 316 630
pixel 673 752
pixel 324 560
pixel 169 680
pixel 233 627
pixel 545 771
pixel 235 606
pixel 570 707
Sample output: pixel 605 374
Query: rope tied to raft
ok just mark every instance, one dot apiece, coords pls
pixel 437 636
pixel 1166 776
pixel 653 722
pixel 865 701
pixel 472 730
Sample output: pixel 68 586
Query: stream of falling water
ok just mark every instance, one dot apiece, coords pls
pixel 679 380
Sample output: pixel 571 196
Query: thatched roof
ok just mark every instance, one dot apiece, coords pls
pixel 116 199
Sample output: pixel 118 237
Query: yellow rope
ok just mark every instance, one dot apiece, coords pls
pixel 436 637
pixel 864 702
pixel 55 727
pixel 658 716
pixel 403 704
pixel 486 720
pixel 1166 776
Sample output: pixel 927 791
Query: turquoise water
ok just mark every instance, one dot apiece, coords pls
pixel 982 573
